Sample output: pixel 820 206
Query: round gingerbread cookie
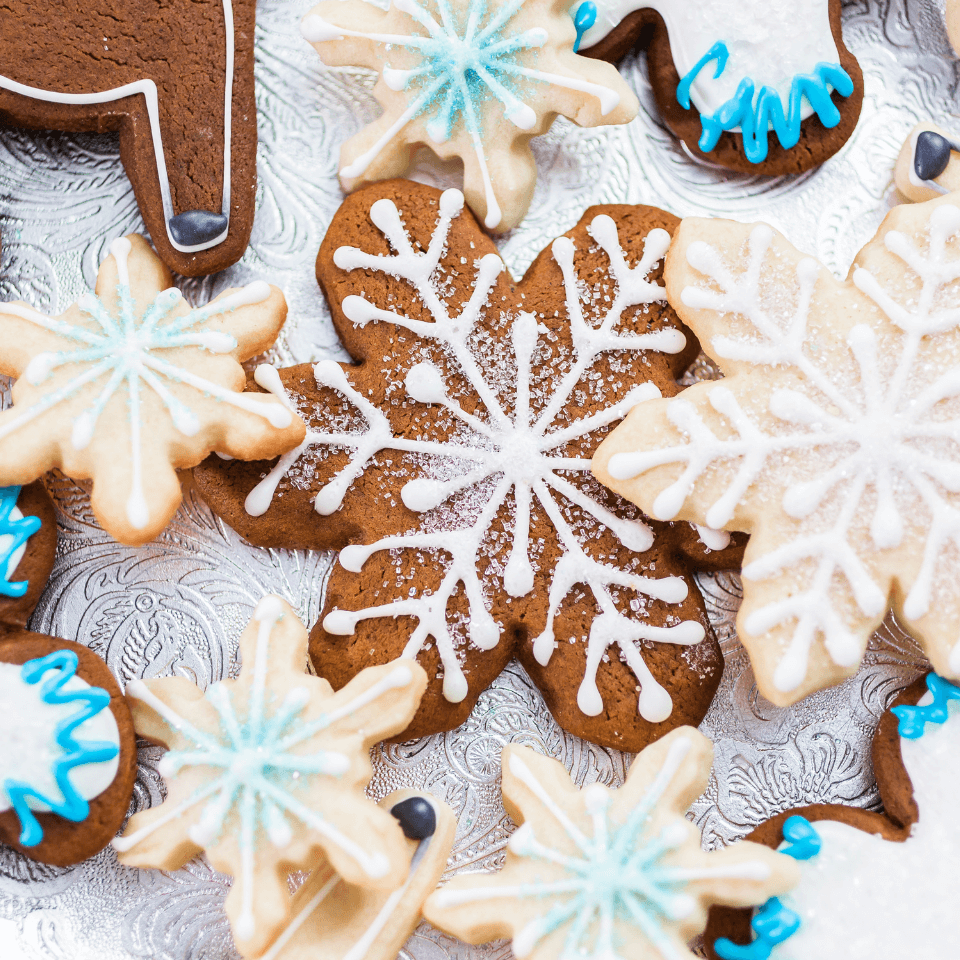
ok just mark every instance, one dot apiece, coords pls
pixel 67 748
pixel 753 86
pixel 451 464
pixel 872 886
pixel 176 80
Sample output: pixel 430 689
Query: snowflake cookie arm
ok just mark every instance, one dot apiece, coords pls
pixel 267 772
pixel 600 874
pixel 470 80
pixel 130 384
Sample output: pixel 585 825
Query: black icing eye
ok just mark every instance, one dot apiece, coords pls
pixel 417 818
pixel 931 156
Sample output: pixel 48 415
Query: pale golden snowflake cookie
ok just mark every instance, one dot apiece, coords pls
pixel 599 874
pixel 130 383
pixel 834 439
pixel 265 774
pixel 467 79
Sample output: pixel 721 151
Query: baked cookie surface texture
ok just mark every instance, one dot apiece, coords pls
pixel 600 874
pixel 265 774
pixel 471 79
pixel 878 886
pixel 131 383
pixel 176 80
pixel 452 464
pixel 762 86
pixel 833 440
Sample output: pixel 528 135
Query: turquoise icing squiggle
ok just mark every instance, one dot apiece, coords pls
pixel 913 720
pixel 90 701
pixel 774 923
pixel 756 115
pixel 19 532
pixel 584 17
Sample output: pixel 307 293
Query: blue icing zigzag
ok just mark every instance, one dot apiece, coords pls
pixel 19 531
pixel 774 923
pixel 75 752
pixel 913 720
pixel 584 18
pixel 755 118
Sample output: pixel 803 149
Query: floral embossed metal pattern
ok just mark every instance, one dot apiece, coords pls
pixel 177 606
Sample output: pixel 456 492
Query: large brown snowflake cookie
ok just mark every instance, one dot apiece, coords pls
pixel 452 463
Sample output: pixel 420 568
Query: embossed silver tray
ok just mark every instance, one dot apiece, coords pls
pixel 178 605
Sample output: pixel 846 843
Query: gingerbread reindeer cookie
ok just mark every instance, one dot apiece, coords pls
pixel 872 885
pixel 754 86
pixel 129 384
pixel 176 80
pixel 467 79
pixel 833 440
pixel 67 751
pixel 452 466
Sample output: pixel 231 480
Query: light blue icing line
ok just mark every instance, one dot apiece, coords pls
pixel 755 115
pixel 774 923
pixel 584 17
pixel 76 753
pixel 913 720
pixel 19 531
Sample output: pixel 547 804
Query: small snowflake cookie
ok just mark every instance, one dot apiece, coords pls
pixel 453 465
pixel 599 874
pixel 759 86
pixel 131 383
pixel 871 885
pixel 67 750
pixel 335 920
pixel 834 440
pixel 265 774
pixel 468 79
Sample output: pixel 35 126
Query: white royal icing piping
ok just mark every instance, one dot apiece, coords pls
pixel 272 730
pixel 148 90
pixel 893 448
pixel 517 450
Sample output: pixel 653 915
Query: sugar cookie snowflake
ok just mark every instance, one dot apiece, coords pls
pixel 266 773
pixel 130 383
pixel 458 463
pixel 834 440
pixel 470 79
pixel 600 874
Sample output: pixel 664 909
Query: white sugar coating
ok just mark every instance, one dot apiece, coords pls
pixel 865 898
pixel 28 744
pixel 481 481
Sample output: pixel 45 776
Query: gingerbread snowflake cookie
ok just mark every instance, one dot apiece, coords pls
pixel 266 773
pixel 67 750
pixel 598 874
pixel 131 383
pixel 833 440
pixel 452 464
pixel 468 79
pixel 755 86
pixel 871 885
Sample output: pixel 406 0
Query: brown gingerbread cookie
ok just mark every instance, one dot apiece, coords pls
pixel 871 885
pixel 176 80
pixel 740 83
pixel 452 465
pixel 67 750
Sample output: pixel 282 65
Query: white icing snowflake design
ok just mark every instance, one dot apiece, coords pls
pixel 835 440
pixel 599 874
pixel 506 458
pixel 445 65
pixel 266 770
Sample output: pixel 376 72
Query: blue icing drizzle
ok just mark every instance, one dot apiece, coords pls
pixel 774 923
pixel 754 116
pixel 90 701
pixel 913 720
pixel 19 531
pixel 584 18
